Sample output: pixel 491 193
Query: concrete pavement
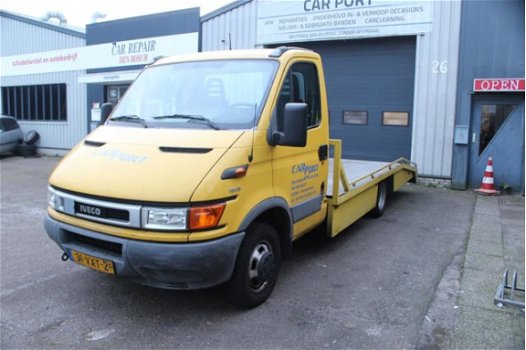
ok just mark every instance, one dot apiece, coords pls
pixel 463 314
pixel 496 243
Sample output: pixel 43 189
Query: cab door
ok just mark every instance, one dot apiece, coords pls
pixel 299 173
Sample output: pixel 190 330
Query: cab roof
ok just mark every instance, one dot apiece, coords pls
pixel 282 51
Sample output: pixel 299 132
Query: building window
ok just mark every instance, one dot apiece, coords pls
pixel 355 117
pixel 35 102
pixel 395 118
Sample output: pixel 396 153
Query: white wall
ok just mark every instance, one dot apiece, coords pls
pixel 436 91
pixel 240 22
pixel 22 37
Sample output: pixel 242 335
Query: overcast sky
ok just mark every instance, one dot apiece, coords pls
pixel 79 12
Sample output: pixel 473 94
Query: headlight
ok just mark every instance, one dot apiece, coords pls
pixel 194 218
pixel 55 201
pixel 51 198
pixel 165 219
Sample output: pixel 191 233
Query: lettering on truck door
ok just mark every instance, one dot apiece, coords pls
pixel 299 172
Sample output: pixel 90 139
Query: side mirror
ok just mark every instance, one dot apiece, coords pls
pixel 294 133
pixel 105 111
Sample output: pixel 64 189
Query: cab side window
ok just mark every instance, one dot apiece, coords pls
pixel 300 85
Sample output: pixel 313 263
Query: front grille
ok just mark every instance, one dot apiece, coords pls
pixel 102 212
pixel 94 243
pixel 109 212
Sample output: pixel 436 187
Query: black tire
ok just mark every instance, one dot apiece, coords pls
pixel 25 150
pixel 381 200
pixel 31 137
pixel 257 266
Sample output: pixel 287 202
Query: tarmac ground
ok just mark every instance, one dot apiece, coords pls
pixel 424 275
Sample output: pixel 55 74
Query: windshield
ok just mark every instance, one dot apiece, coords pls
pixel 224 94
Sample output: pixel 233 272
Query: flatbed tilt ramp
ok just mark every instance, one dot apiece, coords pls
pixel 356 185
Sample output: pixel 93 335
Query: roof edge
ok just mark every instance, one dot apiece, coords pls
pixel 146 16
pixel 35 22
pixel 226 8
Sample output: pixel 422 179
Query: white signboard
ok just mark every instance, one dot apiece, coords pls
pixel 109 77
pixel 117 54
pixel 281 21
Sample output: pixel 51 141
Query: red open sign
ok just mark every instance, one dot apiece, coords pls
pixel 507 84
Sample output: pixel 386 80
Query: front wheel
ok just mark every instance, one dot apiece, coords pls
pixel 257 266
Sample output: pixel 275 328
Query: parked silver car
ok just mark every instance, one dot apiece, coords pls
pixel 10 134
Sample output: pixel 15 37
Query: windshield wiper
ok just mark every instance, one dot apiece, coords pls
pixel 130 118
pixel 190 117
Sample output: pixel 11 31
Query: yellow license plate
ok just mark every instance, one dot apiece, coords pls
pixel 92 262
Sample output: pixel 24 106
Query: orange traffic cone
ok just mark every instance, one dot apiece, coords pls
pixel 488 187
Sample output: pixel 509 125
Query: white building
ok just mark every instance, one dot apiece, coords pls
pixel 42 99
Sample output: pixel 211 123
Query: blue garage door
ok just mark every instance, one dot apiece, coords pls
pixel 370 85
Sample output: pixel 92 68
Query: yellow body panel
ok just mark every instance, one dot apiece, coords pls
pixel 249 190
pixel 309 223
pixel 343 215
pixel 357 200
pixel 402 177
pixel 130 165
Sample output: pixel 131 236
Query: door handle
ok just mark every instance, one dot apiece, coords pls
pixel 323 152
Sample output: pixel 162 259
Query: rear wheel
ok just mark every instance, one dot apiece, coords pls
pixel 381 200
pixel 257 266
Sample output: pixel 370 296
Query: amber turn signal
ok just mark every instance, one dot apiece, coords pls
pixel 205 217
pixel 235 173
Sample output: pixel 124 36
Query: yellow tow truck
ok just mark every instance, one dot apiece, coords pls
pixel 207 171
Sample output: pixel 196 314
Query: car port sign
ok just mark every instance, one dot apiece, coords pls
pixel 312 20
pixel 498 85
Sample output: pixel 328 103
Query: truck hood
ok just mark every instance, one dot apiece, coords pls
pixel 150 165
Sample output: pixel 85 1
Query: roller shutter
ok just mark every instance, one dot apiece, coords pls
pixel 365 80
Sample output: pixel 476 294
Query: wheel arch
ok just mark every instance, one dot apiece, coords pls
pixel 275 212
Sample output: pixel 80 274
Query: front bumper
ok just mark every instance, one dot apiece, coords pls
pixel 162 265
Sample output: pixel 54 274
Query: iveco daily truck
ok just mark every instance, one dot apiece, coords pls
pixel 207 171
